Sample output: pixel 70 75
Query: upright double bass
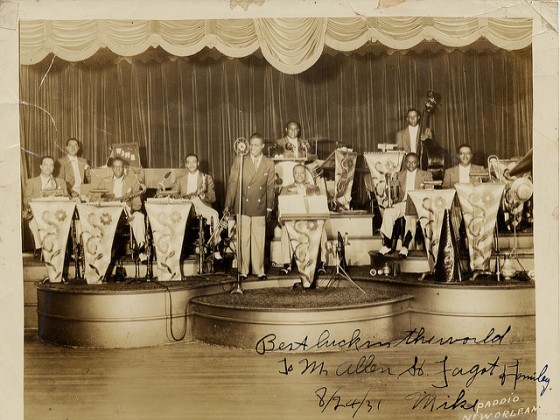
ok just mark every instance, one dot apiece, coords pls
pixel 432 155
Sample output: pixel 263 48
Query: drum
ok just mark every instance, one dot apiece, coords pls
pixel 285 175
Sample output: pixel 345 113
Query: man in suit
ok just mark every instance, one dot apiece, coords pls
pixel 409 138
pixel 44 184
pixel 300 187
pixel 73 169
pixel 291 146
pixel 409 179
pixel 257 199
pixel 199 188
pixel 462 173
pixel 127 189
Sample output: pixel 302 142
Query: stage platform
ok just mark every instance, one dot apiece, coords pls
pixel 140 314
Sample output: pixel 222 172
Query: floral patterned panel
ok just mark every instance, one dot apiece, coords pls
pixel 480 205
pixel 168 221
pixel 430 207
pixel 305 237
pixel 98 223
pixel 379 165
pixel 54 218
pixel 345 166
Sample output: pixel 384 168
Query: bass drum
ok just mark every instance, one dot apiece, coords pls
pixel 285 175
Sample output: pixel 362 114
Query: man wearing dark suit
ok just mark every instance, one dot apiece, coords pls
pixel 462 173
pixel 199 188
pixel 127 189
pixel 73 169
pixel 257 198
pixel 409 138
pixel 409 179
pixel 300 187
pixel 291 146
pixel 39 186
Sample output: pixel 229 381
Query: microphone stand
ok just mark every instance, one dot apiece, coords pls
pixel 237 290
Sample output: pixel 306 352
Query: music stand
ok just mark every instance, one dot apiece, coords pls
pixel 340 272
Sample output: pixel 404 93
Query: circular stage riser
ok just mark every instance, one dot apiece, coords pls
pixel 124 319
pixel 244 328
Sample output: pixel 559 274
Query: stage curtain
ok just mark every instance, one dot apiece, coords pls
pixel 174 105
pixel 291 45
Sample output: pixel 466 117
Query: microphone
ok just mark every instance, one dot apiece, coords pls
pixel 241 146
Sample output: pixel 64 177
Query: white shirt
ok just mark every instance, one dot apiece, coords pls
pixel 410 178
pixel 256 161
pixel 76 170
pixel 464 174
pixel 47 183
pixel 118 187
pixel 192 182
pixel 413 133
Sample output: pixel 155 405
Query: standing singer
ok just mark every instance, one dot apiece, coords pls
pixel 257 199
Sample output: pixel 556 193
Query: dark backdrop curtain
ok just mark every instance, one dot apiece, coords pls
pixel 172 106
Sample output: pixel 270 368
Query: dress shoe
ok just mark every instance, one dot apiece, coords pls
pixel 217 255
pixel 384 250
pixel 143 258
pixel 322 269
pixel 403 253
pixel 261 277
pixel 242 277
pixel 286 269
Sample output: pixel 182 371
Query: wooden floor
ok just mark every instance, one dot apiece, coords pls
pixel 198 381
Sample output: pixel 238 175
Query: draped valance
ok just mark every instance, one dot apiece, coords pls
pixel 291 45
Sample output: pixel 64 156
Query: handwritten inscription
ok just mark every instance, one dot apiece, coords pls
pixel 435 381
pixel 270 342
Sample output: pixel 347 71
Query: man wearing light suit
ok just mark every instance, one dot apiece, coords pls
pixel 291 146
pixel 37 187
pixel 257 199
pixel 409 139
pixel 462 173
pixel 409 179
pixel 199 188
pixel 127 189
pixel 73 169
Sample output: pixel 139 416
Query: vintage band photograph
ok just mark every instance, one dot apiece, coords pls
pixel 247 209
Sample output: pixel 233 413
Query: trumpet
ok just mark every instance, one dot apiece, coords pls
pixel 222 224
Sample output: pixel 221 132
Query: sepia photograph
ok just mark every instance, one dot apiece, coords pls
pixel 247 209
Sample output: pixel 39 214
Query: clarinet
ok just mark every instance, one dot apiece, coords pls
pixel 76 248
pixel 149 251
pixel 201 247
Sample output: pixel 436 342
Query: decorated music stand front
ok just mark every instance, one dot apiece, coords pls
pixel 168 218
pixel 54 217
pixel 98 223
pixel 304 218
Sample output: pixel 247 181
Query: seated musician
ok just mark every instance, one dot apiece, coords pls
pixel 410 137
pixel 199 188
pixel 126 189
pixel 291 145
pixel 409 179
pixel 73 169
pixel 41 186
pixel 461 173
pixel 300 187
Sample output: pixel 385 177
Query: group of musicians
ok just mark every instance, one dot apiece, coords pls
pixel 256 196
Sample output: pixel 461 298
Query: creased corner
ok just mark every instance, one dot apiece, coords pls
pixel 8 15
